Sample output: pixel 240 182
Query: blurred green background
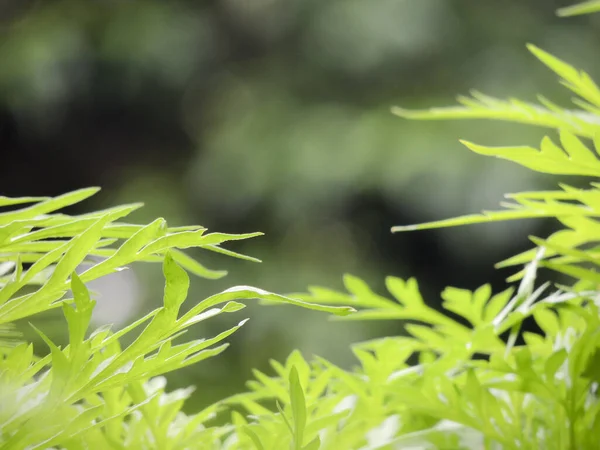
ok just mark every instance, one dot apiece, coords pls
pixel 273 116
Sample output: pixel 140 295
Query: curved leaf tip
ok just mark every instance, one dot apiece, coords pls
pixel 588 7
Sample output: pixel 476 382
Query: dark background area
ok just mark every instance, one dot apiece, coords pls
pixel 274 116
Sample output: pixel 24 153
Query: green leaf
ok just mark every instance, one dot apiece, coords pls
pixel 578 159
pixel 588 7
pixel 481 106
pixel 361 290
pixel 592 368
pixel 253 436
pixel 467 304
pixel 79 248
pixel 8 231
pixel 248 292
pixel 224 251
pixel 484 217
pixel 315 444
pixel 525 209
pixel 8 201
pixel 285 419
pixel 578 82
pixel 574 271
pixel 46 206
pixel 186 239
pixel 78 318
pixel 554 362
pixel 406 292
pixel 60 364
pixel 176 285
pixel 195 267
pixel 298 404
pixel 127 252
pixel 68 229
pixel 547 321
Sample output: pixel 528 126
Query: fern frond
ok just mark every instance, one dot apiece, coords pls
pixel 575 159
pixel 526 209
pixel 584 122
pixel 488 315
pixel 577 81
pixel 481 106
pixel 55 244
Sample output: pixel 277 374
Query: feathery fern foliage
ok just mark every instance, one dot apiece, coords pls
pixel 468 384
pixel 446 384
pixel 94 393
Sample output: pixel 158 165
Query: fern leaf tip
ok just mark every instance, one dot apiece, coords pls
pixel 471 146
pixel 401 112
pixel 401 228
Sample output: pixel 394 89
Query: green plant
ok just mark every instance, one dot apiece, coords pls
pixel 93 393
pixel 448 384
pixel 473 384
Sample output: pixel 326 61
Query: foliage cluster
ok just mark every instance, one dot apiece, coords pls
pixel 460 380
